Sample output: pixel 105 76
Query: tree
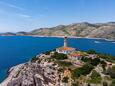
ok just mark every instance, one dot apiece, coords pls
pixel 65 79
pixel 85 59
pixel 59 56
pixel 95 61
pixel 91 51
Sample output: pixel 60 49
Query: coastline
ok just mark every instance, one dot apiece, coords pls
pixel 11 71
pixel 75 37
pixel 111 40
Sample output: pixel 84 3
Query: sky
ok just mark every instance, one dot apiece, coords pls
pixel 26 15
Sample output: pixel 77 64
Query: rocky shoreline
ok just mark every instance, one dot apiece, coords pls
pixel 12 71
pixel 78 37
pixel 32 74
pixel 49 70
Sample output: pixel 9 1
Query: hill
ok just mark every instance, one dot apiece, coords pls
pixel 84 29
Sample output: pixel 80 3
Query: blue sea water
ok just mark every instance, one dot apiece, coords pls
pixel 18 49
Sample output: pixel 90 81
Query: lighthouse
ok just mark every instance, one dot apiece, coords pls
pixel 65 49
pixel 65 41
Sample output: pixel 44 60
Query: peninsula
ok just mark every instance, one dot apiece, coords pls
pixel 64 66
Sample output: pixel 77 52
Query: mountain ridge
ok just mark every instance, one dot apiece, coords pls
pixel 83 29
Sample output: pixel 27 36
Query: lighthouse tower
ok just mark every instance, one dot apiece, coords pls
pixel 65 41
pixel 65 49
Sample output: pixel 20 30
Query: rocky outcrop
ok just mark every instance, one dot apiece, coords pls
pixel 32 74
pixel 54 69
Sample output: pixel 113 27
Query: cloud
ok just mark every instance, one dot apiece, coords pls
pixel 12 5
pixel 25 16
pixel 18 14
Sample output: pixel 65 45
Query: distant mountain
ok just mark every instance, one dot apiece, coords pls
pixel 84 29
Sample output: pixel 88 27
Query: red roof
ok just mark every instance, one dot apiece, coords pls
pixel 75 54
pixel 66 48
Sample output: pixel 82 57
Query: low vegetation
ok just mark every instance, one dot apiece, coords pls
pixel 84 70
pixel 91 51
pixel 65 79
pixel 64 63
pixel 103 56
pixel 34 59
pixel 93 62
pixel 95 77
pixel 111 72
pixel 59 56
pixel 88 67
pixel 107 57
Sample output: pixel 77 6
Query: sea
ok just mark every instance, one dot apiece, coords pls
pixel 15 50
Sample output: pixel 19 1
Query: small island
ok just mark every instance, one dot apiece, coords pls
pixel 64 66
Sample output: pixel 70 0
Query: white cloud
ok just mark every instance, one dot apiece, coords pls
pixel 25 16
pixel 12 5
pixel 18 14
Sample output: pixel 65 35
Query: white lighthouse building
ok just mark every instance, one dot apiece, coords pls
pixel 65 49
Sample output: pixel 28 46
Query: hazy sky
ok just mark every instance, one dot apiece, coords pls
pixel 26 15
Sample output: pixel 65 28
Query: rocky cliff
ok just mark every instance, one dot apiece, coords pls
pixel 84 29
pixel 33 74
pixel 54 69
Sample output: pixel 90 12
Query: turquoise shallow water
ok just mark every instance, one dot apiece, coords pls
pixel 18 49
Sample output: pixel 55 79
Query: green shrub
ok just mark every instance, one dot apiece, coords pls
pixel 85 59
pixel 34 59
pixel 59 56
pixel 60 70
pixel 74 84
pixel 104 64
pixel 91 51
pixel 65 79
pixel 107 57
pixel 111 72
pixel 95 77
pixel 84 70
pixel 39 61
pixel 95 61
pixel 95 74
pixel 64 63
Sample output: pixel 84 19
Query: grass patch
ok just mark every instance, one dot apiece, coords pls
pixel 84 70
pixel 95 77
pixel 59 56
pixel 64 63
